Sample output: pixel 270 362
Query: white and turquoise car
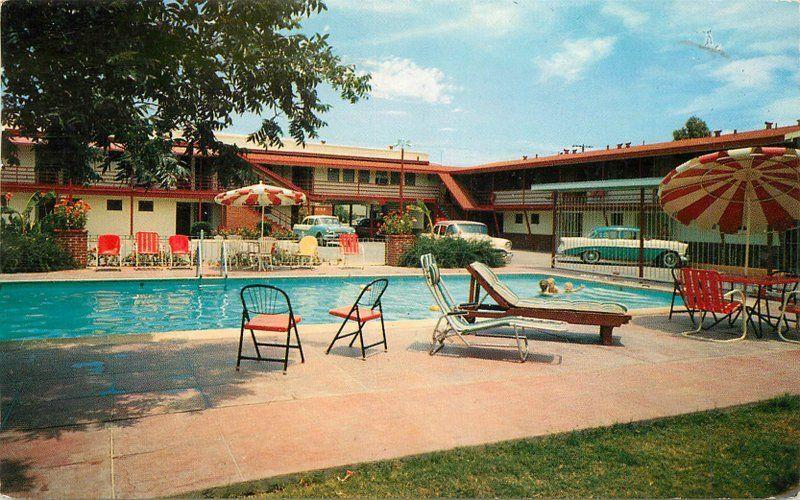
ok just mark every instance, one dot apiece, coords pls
pixel 325 228
pixel 619 243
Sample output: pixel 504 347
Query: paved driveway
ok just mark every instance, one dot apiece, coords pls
pixel 149 415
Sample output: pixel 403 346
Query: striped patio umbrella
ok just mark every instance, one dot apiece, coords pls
pixel 260 195
pixel 755 189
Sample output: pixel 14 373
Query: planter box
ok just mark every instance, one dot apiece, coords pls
pixel 74 242
pixel 396 245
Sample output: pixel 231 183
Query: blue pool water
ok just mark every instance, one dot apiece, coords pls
pixel 76 308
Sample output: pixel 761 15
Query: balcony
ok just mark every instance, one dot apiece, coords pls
pixel 26 174
pixel 345 190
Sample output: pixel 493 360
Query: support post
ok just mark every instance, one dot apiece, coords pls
pixel 641 233
pixel 554 236
pixel 131 221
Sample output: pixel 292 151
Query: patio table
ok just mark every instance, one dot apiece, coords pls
pixel 761 283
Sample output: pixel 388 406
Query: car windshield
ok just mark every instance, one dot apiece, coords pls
pixel 473 229
pixel 329 221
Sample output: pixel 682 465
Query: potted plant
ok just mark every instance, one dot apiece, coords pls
pixel 398 228
pixel 69 226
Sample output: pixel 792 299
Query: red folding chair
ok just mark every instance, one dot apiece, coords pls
pixel 348 245
pixel 108 246
pixel 179 247
pixel 366 308
pixel 146 244
pixel 703 294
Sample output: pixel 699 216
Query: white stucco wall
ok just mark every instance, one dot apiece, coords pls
pixel 545 225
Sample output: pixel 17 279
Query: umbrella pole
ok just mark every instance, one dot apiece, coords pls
pixel 747 238
pixel 261 243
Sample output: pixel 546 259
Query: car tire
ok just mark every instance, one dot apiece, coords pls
pixel 670 260
pixel 590 257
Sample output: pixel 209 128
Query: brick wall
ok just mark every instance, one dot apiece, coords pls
pixel 241 217
pixel 396 246
pixel 535 242
pixel 74 242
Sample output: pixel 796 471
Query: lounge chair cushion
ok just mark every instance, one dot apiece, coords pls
pixel 270 322
pixel 364 313
pixel 792 308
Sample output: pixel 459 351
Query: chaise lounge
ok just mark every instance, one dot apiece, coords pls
pixel 453 325
pixel 606 315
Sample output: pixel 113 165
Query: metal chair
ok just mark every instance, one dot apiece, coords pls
pixel 179 247
pixel 348 245
pixel 267 308
pixel 702 293
pixel 453 325
pixel 108 246
pixel 790 306
pixel 367 307
pixel 677 291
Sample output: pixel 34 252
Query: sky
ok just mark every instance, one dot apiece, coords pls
pixel 471 82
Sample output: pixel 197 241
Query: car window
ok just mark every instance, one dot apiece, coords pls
pixel 452 229
pixel 473 228
pixel 330 221
pixel 629 235
pixel 612 234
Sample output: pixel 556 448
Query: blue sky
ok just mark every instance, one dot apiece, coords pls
pixel 471 82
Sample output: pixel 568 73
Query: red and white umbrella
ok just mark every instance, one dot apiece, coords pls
pixel 756 189
pixel 261 195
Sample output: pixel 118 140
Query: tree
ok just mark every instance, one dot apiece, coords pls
pixel 695 127
pixel 154 75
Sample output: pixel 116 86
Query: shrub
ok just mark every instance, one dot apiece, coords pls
pixel 208 231
pixel 452 252
pixel 31 252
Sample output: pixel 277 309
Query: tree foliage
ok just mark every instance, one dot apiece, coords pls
pixel 152 75
pixel 694 127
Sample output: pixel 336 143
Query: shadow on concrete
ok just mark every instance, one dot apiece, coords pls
pixel 66 385
pixel 14 476
pixel 496 352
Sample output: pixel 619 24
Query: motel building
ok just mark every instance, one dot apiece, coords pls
pixel 533 201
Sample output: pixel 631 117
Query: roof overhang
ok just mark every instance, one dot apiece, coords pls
pixel 642 182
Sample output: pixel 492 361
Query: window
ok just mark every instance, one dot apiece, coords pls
pixel 452 229
pixel 534 219
pixel 433 177
pixel 381 178
pixel 348 175
pixel 116 205
pixel 395 178
pixel 612 235
pixel 333 175
pixel 363 176
pixel 617 219
pixel 411 179
pixel 145 205
pixel 518 219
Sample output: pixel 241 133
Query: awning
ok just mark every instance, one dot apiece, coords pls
pixel 598 185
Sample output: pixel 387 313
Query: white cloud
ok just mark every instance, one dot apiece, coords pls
pixel 377 6
pixel 631 18
pixel 447 129
pixel 784 111
pixel 756 72
pixel 741 83
pixel 574 58
pixel 458 110
pixel 398 78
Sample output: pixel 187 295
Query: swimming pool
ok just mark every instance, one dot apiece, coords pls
pixel 77 308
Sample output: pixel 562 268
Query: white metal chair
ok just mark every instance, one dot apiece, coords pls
pixel 452 324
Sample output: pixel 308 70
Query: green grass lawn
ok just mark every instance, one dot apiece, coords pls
pixel 749 451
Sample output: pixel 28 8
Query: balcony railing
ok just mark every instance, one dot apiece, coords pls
pixel 345 189
pixel 589 198
pixel 26 174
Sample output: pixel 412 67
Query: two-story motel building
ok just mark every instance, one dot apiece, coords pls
pixel 514 198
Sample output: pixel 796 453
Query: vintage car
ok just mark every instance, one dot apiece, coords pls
pixel 620 243
pixel 325 228
pixel 470 230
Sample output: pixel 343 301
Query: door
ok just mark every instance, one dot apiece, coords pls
pixel 183 218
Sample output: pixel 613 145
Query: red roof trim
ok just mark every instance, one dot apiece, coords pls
pixel 726 141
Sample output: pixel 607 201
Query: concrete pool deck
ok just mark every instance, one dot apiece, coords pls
pixel 152 415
